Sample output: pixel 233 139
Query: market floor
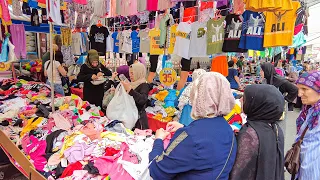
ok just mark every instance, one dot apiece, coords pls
pixel 290 133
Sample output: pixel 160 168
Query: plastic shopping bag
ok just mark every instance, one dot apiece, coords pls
pixel 122 107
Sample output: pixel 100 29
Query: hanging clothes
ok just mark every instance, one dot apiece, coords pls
pixel 155 49
pixel 66 36
pixel 19 40
pixel 4 50
pixel 5 14
pixel 53 10
pixel 144 41
pixel 215 35
pixel 220 64
pixel 98 38
pixel 172 41
pixel 16 8
pixel 182 44
pixel 198 36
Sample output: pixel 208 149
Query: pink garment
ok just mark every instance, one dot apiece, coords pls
pixel 36 150
pixel 84 2
pixel 81 175
pixel 5 10
pixel 19 40
pixel 127 155
pixel 298 29
pixel 61 122
pixel 166 141
pixel 54 159
pixel 152 5
pixel 147 132
pixel 206 96
pixel 238 6
pixel 164 4
pixel 91 131
pixel 78 152
pixel 25 141
pixel 132 7
pixel 280 71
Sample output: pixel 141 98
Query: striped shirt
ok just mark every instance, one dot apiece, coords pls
pixel 310 151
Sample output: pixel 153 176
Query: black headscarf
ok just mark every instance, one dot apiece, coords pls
pixel 264 105
pixel 272 77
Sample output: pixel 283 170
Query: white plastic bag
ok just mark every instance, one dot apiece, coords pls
pixel 122 107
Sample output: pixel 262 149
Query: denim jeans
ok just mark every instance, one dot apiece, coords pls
pixel 57 88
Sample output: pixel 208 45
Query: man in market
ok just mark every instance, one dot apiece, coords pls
pixel 240 63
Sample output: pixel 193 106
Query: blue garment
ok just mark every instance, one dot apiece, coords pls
pixel 252 31
pixel 232 73
pixel 33 3
pixel 135 42
pixel 198 151
pixel 57 88
pixel 115 42
pixel 4 50
pixel 171 98
pixel 185 117
pixel 310 151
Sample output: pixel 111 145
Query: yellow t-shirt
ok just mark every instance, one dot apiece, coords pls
pixel 279 27
pixel 173 32
pixel 268 5
pixel 155 49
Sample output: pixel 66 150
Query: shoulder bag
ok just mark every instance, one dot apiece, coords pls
pixel 292 158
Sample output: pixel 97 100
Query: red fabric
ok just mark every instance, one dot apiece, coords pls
pixel 235 119
pixel 111 151
pixel 77 91
pixel 101 113
pixel 189 14
pixel 206 5
pixel 154 124
pixel 69 169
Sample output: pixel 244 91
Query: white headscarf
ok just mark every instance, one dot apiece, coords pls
pixel 211 96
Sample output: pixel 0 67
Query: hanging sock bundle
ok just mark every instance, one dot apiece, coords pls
pixel 271 5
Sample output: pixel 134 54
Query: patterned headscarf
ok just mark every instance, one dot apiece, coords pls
pixel 312 80
pixel 211 96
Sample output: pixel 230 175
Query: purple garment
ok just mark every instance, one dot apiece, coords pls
pixel 222 3
pixel 78 151
pixel 124 70
pixel 19 40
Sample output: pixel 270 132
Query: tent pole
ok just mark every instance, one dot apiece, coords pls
pixel 51 62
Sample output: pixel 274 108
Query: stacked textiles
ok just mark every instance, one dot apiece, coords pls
pixel 76 141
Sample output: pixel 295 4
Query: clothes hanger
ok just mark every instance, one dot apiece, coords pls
pixel 99 23
pixel 217 15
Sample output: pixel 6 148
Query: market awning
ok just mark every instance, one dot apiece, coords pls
pixel 43 28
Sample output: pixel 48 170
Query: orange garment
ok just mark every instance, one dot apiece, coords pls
pixel 189 14
pixel 220 64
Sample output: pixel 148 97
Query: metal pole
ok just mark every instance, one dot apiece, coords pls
pixel 51 62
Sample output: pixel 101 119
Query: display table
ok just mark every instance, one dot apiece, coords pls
pixel 77 91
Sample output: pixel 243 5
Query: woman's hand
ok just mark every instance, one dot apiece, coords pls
pixel 100 74
pixel 114 75
pixel 162 134
pixel 126 85
pixel 174 126
pixel 94 77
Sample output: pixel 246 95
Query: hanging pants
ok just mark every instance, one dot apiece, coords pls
pixel 19 40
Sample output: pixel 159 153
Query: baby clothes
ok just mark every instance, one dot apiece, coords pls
pixel 16 8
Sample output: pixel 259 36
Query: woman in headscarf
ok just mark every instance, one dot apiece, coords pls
pixel 92 74
pixel 184 99
pixel 289 90
pixel 205 149
pixel 309 91
pixel 120 70
pixel 138 89
pixel 260 141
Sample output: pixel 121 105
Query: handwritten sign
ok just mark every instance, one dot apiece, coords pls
pixel 168 76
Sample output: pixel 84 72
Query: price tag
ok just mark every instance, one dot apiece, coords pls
pixel 168 76
pixel 4 66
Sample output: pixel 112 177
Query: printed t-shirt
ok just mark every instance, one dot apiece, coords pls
pixel 142 5
pixel 144 41
pixel 172 41
pixel 155 49
pixel 152 5
pixel 115 42
pixel 120 38
pixel 135 42
pixel 98 38
pixel 53 10
pixel 198 38
pixel 279 27
pixel 220 64
pixel 127 41
pixel 215 35
pixel 252 31
pixel 232 34
pixel 263 5
pixel 182 45
pixel 231 74
pixel 163 29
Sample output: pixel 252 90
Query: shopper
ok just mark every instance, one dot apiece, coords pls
pixel 309 91
pixel 138 89
pixel 120 70
pixel 56 75
pixel 91 73
pixel 233 77
pixel 292 74
pixel 289 90
pixel 260 141
pixel 206 149
pixel 240 62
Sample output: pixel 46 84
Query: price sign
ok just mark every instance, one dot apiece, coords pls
pixel 168 76
pixel 4 66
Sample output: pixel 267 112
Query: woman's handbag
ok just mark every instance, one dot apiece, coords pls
pixel 292 158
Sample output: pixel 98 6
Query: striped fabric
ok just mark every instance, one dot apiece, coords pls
pixel 310 152
pixel 5 75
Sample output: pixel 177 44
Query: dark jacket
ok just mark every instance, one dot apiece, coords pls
pixel 92 93
pixel 140 96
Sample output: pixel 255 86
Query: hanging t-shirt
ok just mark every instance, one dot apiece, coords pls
pixel 127 41
pixel 53 10
pixel 121 40
pixel 135 42
pixel 142 5
pixel 98 37
pixel 252 31
pixel 152 5
pixel 232 34
pixel 110 43
pixel 115 42
pixel 215 35
pixel 172 41
pixel 144 41
pixel 198 45
pixel 33 3
pixel 155 49
pixel 182 45
pixel 220 64
pixel 279 27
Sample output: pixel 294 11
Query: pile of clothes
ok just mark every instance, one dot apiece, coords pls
pixel 162 104
pixel 76 141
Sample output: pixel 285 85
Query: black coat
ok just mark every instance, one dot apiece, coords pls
pixel 92 93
